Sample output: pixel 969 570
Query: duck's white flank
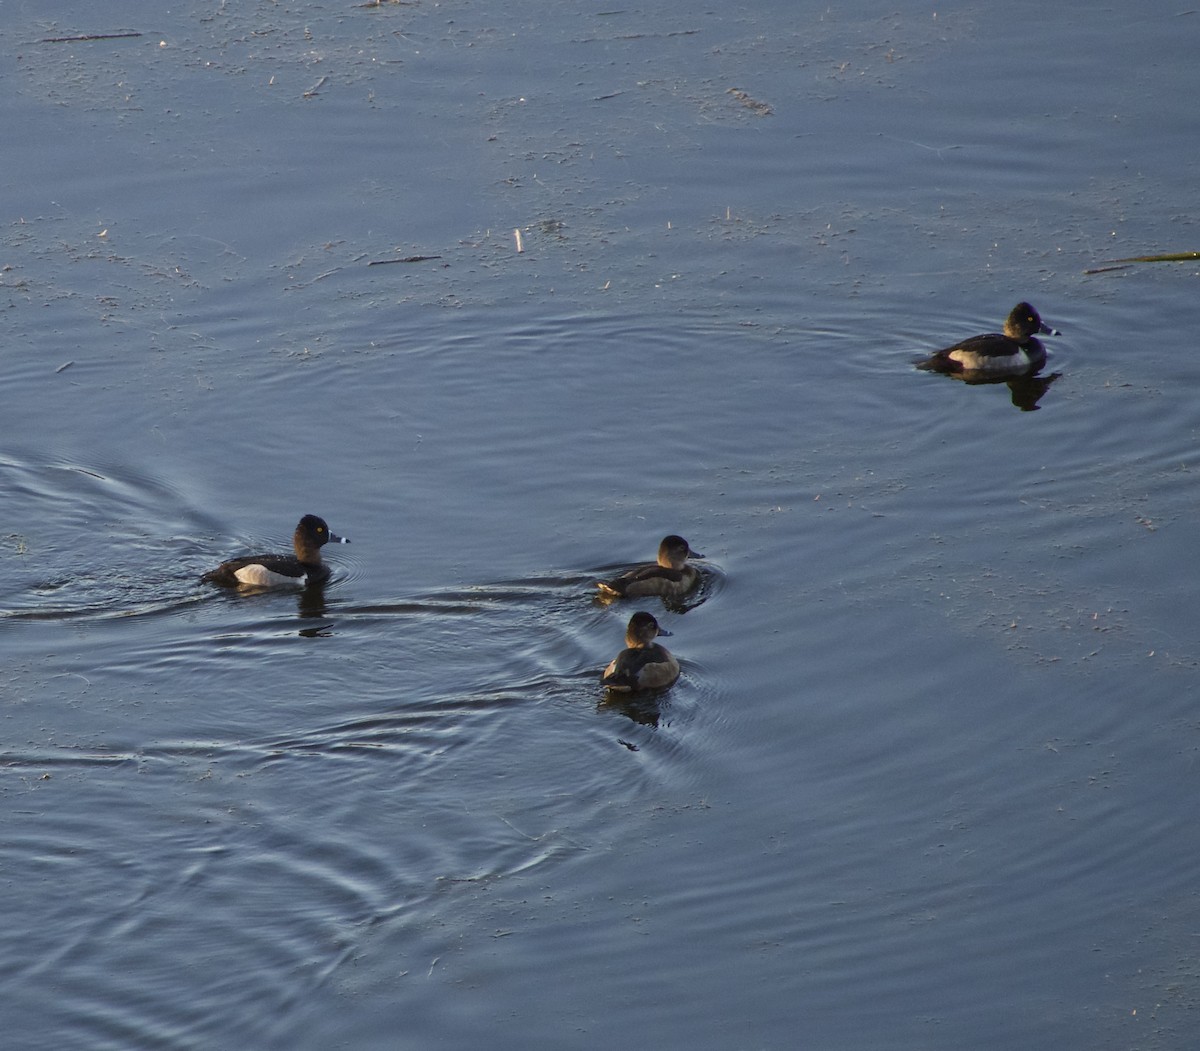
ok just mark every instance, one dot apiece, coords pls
pixel 263 577
pixel 969 359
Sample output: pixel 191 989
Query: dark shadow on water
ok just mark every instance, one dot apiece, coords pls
pixel 310 603
pixel 1026 391
pixel 645 706
pixel 311 607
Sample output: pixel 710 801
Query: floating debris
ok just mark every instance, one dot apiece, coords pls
pixel 406 259
pixel 312 92
pixel 87 36
pixel 1121 264
pixel 762 109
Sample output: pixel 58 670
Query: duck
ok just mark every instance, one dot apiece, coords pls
pixel 669 577
pixel 643 664
pixel 301 569
pixel 1016 352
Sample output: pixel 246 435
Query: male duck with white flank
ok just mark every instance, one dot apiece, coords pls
pixel 301 569
pixel 643 664
pixel 1016 352
pixel 669 577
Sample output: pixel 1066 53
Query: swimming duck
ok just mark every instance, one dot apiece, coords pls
pixel 1016 352
pixel 643 664
pixel 303 568
pixel 669 576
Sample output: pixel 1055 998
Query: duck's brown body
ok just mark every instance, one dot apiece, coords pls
pixel 643 664
pixel 669 577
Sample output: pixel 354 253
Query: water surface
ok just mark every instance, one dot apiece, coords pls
pixel 925 780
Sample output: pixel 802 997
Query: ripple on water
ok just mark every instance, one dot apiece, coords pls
pixel 306 823
pixel 94 540
pixel 98 554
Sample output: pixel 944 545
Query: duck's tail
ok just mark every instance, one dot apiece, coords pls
pixel 939 362
pixel 619 683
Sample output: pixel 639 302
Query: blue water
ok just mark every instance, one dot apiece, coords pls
pixel 925 781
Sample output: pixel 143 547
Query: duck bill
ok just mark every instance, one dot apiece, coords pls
pixel 335 539
pixel 1046 330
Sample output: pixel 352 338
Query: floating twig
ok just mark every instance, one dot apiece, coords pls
pixel 406 259
pixel 311 92
pixel 520 245
pixel 1121 264
pixel 87 36
pixel 1174 257
pixel 658 36
pixel 65 365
